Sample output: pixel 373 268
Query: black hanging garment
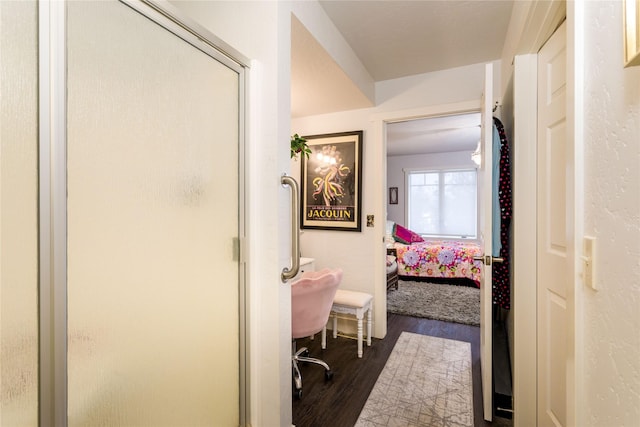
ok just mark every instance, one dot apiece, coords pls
pixel 501 271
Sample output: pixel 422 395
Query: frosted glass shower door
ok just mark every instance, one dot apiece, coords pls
pixel 18 213
pixel 152 215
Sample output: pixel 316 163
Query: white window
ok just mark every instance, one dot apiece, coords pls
pixel 443 203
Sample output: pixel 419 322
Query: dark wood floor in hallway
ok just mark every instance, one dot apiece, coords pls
pixel 337 403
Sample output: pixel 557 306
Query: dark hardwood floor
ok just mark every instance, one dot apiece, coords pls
pixel 338 402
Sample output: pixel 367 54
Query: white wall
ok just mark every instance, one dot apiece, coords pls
pixel 260 31
pixel 396 175
pixel 351 251
pixel 361 255
pixel 611 315
pixel 316 21
pixel 439 87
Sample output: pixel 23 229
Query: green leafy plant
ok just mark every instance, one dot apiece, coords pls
pixel 299 145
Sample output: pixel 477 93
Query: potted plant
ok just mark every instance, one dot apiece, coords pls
pixel 299 145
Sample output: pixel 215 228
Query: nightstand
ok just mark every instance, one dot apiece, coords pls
pixel 392 270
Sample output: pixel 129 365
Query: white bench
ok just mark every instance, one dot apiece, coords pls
pixel 357 304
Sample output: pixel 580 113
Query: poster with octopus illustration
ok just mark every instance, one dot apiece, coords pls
pixel 332 182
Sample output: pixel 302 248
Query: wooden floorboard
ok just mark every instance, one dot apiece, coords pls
pixel 338 402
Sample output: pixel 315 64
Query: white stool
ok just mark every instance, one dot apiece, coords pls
pixel 356 303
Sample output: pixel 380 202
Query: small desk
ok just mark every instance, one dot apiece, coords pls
pixel 306 264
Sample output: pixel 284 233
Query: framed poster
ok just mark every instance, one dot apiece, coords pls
pixel 331 182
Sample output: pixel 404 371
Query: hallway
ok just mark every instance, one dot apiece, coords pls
pixel 338 402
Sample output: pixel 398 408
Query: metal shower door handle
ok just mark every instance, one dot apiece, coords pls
pixel 290 273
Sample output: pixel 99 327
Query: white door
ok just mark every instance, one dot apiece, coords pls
pixel 153 304
pixel 486 286
pixel 555 224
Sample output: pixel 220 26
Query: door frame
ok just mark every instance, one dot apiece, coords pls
pixel 485 211
pixel 524 240
pixel 541 22
pixel 380 122
pixel 52 182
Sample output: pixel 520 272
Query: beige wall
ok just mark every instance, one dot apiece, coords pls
pixel 611 316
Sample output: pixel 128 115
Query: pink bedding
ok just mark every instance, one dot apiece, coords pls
pixel 440 258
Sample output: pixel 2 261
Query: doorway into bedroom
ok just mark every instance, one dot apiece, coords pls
pixel 433 222
pixel 434 225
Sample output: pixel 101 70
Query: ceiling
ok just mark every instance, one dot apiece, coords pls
pixel 397 38
pixel 434 135
pixel 394 39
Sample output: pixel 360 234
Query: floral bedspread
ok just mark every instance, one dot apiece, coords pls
pixel 440 258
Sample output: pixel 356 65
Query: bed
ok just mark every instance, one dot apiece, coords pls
pixel 440 259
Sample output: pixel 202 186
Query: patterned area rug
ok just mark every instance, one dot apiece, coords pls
pixel 425 383
pixel 459 304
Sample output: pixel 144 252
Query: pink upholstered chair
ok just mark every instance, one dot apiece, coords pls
pixel 311 300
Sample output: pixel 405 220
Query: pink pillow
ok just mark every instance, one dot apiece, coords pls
pixel 406 236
